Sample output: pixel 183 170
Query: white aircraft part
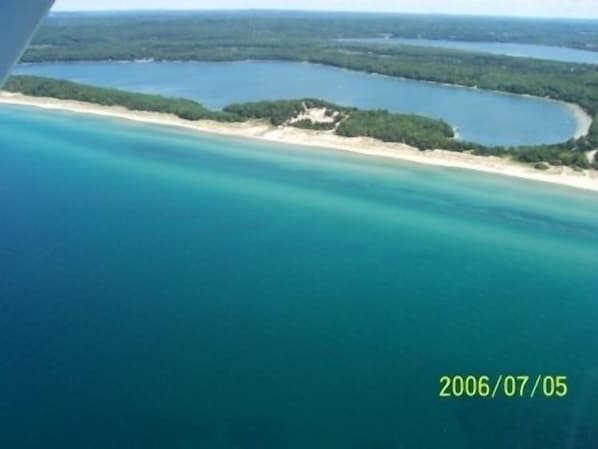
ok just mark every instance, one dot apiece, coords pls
pixel 18 21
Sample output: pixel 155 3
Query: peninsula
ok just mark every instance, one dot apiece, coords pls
pixel 305 122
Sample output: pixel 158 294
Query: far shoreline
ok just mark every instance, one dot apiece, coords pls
pixel 564 176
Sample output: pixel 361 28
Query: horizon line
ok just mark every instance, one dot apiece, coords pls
pixel 323 11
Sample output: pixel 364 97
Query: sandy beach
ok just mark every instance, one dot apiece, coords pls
pixel 583 119
pixel 566 176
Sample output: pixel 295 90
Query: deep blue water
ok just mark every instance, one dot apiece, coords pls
pixel 486 117
pixel 551 53
pixel 161 289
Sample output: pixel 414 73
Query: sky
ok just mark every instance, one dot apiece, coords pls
pixel 533 8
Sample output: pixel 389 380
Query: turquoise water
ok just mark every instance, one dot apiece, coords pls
pixel 551 53
pixel 162 289
pixel 486 117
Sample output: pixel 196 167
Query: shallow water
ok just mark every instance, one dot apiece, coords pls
pixel 164 289
pixel 486 117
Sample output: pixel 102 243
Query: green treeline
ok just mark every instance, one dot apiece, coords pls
pixel 66 90
pixel 560 154
pixel 420 132
pixel 187 30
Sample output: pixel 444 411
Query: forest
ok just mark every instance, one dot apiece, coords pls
pixel 276 27
pixel 66 90
pixel 421 132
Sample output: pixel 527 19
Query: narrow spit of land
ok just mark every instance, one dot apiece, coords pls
pixel 285 134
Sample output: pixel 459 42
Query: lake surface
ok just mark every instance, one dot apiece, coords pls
pixel 161 289
pixel 562 54
pixel 480 116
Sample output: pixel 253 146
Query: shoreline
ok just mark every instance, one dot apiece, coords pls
pixel 564 176
pixel 582 118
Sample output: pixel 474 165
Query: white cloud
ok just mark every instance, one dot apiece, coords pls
pixel 541 8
